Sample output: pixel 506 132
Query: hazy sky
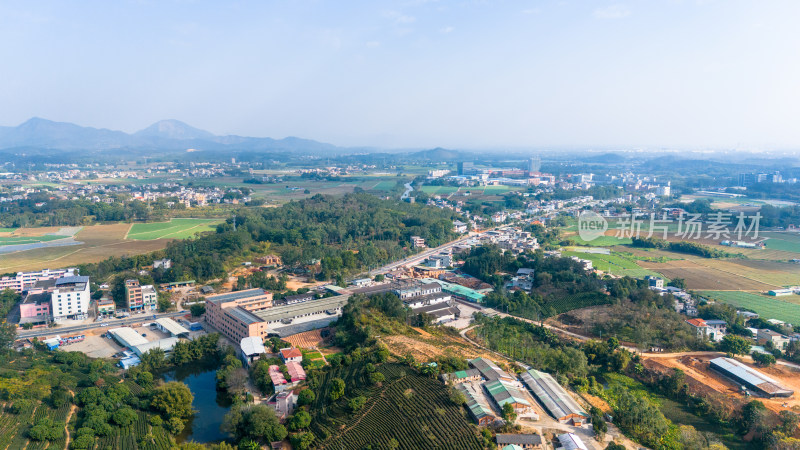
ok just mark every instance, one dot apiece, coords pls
pixel 462 74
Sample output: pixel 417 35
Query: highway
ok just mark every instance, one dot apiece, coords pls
pixel 66 331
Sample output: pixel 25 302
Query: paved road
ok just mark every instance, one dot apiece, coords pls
pixel 419 257
pixel 104 324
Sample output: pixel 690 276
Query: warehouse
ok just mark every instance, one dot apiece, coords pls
pixel 504 393
pixel 168 325
pixel 462 376
pixel 490 371
pixel 127 337
pixel 749 377
pixel 554 398
pixel 476 402
pixel 166 344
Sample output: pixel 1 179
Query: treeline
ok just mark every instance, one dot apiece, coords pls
pixel 598 192
pixel 329 235
pixel 691 248
pixel 41 210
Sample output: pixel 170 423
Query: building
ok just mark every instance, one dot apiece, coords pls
pixel 534 164
pixel 106 306
pixel 780 292
pixel 270 260
pixel 24 280
pixel 523 441
pixel 504 393
pixel 279 382
pixel 459 227
pixel 461 376
pixel 296 372
pixel 127 337
pixel 570 441
pixel 143 298
pixel 166 345
pixel 283 403
pixel 162 264
pixel 233 314
pixel 417 241
pixel 35 309
pixel 321 312
pixel 439 261
pixel 71 298
pixel 654 282
pixel 489 370
pixel 291 354
pixel 778 340
pixel 174 329
pixel 713 330
pixel 554 398
pixel 252 348
pixel 477 404
pixel 749 377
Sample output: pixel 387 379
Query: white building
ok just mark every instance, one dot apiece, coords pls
pixel 70 298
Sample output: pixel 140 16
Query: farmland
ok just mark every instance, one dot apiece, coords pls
pixel 174 229
pixel 767 307
pixel 422 414
pixel 617 263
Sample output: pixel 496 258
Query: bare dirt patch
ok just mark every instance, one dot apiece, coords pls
pixel 308 339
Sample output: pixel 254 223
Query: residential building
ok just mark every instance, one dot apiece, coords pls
pixel 283 403
pixel 654 282
pixel 296 372
pixel 106 306
pixel 291 354
pixel 459 227
pixel 461 376
pixel 417 241
pixel 779 340
pixel 162 264
pixel 35 308
pixel 713 330
pixel 71 298
pixel 270 260
pixel 279 382
pixel 24 280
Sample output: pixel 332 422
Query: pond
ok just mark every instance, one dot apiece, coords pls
pixel 209 404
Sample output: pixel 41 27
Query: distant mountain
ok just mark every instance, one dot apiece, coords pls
pixel 165 135
pixel 440 154
pixel 173 129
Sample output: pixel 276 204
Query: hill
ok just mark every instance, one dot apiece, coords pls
pixel 39 134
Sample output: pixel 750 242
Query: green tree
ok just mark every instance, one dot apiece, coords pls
pixel 45 429
pixel 393 444
pixel 8 334
pixel 124 416
pixel 197 309
pixel 356 403
pixel 299 421
pixel 256 422
pixel 173 399
pixel 376 377
pixel 302 441
pixel 336 390
pixel 764 359
pixel 735 345
pixel 509 415
pixel 306 397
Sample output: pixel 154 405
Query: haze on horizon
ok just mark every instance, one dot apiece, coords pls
pixel 415 73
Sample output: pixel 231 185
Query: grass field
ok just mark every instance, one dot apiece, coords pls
pixel 174 229
pixel 16 240
pixel 617 264
pixel 766 307
pixel 383 185
pixel 602 241
pixel 785 244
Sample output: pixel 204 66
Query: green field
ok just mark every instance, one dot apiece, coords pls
pixel 7 230
pixel 439 189
pixel 174 229
pixel 602 241
pixel 382 185
pixel 16 240
pixel 615 263
pixel 785 243
pixel 766 307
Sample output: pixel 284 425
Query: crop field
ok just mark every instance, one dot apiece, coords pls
pixel 408 407
pixel 381 185
pixel 704 275
pixel 439 189
pixel 773 273
pixel 786 243
pixel 16 240
pixel 767 307
pixel 618 264
pixel 602 241
pixel 174 229
pixel 97 242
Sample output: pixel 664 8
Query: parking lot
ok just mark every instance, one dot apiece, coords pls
pixel 96 346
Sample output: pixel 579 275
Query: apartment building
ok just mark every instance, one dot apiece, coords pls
pixel 70 298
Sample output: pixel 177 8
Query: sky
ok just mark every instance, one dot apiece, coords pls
pixel 415 73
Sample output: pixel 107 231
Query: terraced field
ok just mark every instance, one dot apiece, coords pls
pixel 615 264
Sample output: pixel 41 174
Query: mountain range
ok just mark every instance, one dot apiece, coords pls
pixel 169 135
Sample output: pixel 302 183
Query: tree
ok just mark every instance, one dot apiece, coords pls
pixel 175 425
pixel 735 345
pixel 336 389
pixel 45 429
pixel 124 416
pixel 197 309
pixel 164 302
pixel 256 422
pixel 8 334
pixel 754 417
pixel 393 444
pixel 299 421
pixel 509 415
pixel 376 377
pixel 302 441
pixel 764 359
pixel 614 446
pixel 306 397
pixel 174 399
pixel 679 283
pixel 356 403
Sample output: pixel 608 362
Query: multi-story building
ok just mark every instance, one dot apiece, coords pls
pixel 70 298
pixel 24 280
pixel 140 297
pixel 233 313
pixel 35 308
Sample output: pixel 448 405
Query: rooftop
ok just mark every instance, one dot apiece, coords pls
pixel 238 295
pixel 243 315
pixel 299 309
pixel 557 400
pixel 749 375
pixel 253 345
pixel 174 328
pixel 503 393
pixel 518 439
pixel 71 280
